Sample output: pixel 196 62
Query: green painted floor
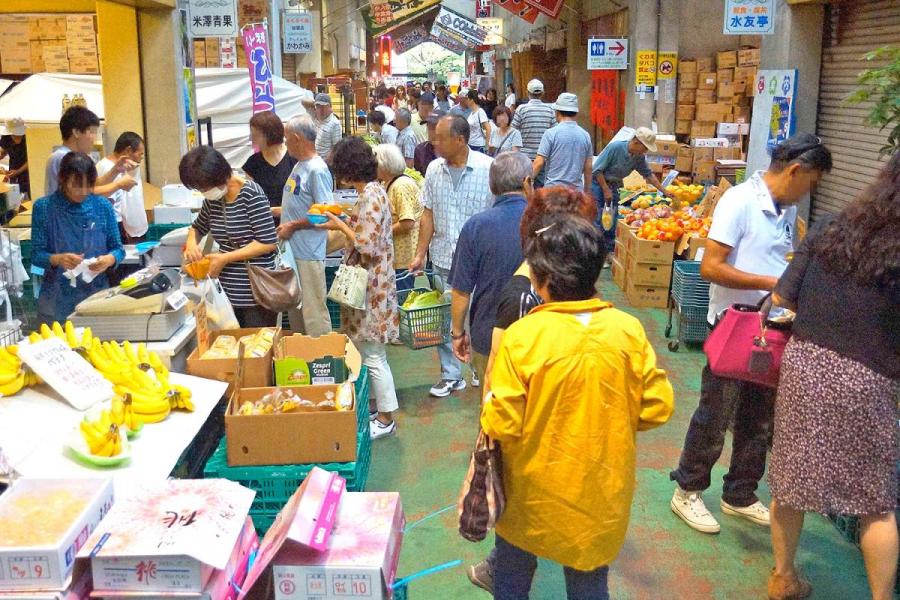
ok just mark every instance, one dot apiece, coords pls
pixel 662 557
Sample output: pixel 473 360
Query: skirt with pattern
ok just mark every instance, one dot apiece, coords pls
pixel 836 434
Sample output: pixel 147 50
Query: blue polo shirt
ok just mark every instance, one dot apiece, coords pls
pixel 487 254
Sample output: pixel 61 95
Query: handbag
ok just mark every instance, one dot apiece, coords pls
pixel 351 282
pixel 277 289
pixel 482 499
pixel 503 141
pixel 746 345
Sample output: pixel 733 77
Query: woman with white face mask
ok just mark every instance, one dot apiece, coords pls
pixel 236 212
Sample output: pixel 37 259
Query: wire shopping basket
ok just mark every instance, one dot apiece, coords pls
pixel 423 327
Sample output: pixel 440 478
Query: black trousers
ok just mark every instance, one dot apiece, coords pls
pixel 255 316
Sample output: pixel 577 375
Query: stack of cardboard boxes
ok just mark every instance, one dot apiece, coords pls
pixel 48 44
pixel 711 92
pixel 206 53
pixel 642 268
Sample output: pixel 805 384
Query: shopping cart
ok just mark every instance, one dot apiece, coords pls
pixel 690 300
pixel 423 327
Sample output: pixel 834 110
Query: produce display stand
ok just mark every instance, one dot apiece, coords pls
pixel 690 300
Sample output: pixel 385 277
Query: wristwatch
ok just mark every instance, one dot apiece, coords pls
pixel 457 337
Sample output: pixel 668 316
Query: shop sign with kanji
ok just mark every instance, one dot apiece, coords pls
pixel 744 17
pixel 211 18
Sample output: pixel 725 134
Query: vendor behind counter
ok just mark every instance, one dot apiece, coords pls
pixel 70 226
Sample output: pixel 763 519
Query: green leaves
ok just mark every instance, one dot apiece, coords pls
pixel 881 85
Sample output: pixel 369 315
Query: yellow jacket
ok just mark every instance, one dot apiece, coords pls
pixel 572 384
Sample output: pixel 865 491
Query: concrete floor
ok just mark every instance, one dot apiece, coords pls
pixel 662 557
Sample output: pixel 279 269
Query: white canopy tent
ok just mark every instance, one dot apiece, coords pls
pixel 222 94
pixel 5 84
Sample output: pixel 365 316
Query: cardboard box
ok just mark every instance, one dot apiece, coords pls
pixel 725 90
pixel 745 74
pixel 306 436
pixel 304 360
pixel 34 29
pixel 84 65
pixel 168 536
pixel 682 126
pixel 713 112
pixel 199 52
pixel 80 24
pixel 667 148
pixel 648 251
pixel 742 114
pixel 729 153
pixel 705 64
pixel 212 45
pixel 749 57
pixel 686 95
pixel 643 296
pixel 257 370
pixel 52 28
pixel 688 81
pixel 45 557
pixel 727 59
pixel 15 64
pixel 360 561
pixel 695 243
pixel 705 97
pixel 619 252
pixel 687 65
pixel 649 274
pixel 703 129
pixel 707 80
pixel 685 112
pixel 684 164
pixel 704 170
pixel 13 28
pixel 618 273
pixel 726 75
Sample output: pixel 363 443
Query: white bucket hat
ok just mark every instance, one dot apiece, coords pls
pixel 14 126
pixel 566 102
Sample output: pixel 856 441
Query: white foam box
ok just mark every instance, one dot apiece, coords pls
pixel 43 524
pixel 172 215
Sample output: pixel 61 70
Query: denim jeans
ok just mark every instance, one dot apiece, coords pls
pixel 514 570
pixel 706 437
pixel 451 368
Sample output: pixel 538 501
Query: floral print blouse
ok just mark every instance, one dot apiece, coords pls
pixel 380 322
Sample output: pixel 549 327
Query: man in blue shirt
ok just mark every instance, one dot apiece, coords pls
pixel 566 149
pixel 614 164
pixel 309 183
pixel 487 254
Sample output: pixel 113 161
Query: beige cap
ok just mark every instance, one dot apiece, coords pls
pixel 15 126
pixel 646 137
pixel 535 87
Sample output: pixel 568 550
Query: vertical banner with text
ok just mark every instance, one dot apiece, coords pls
pixel 256 48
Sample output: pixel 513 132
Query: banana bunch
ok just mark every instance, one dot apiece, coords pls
pixel 14 375
pixel 122 414
pixel 66 333
pixel 102 436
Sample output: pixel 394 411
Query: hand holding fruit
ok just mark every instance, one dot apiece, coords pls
pixel 217 262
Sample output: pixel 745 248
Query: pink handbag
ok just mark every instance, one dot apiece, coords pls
pixel 745 345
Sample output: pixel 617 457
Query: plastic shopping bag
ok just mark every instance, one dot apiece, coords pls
pixel 219 312
pixel 606 218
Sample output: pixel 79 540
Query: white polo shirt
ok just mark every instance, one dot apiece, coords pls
pixel 747 220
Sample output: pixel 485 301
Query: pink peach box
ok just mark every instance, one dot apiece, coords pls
pixel 168 536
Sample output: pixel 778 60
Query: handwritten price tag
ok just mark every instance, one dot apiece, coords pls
pixel 67 372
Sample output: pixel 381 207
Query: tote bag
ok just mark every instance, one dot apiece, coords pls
pixel 745 345
pixel 350 283
pixel 482 500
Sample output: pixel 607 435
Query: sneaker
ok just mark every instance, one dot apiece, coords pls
pixel 475 381
pixel 755 513
pixel 373 414
pixel 787 587
pixel 480 575
pixel 378 429
pixel 445 387
pixel 690 507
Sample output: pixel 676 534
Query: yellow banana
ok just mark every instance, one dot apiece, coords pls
pixel 117 412
pixel 13 386
pixel 34 337
pixel 14 350
pixel 130 352
pixel 46 332
pixel 87 338
pixel 58 330
pixel 145 381
pixel 154 417
pixel 143 353
pixel 9 359
pixel 91 436
pixel 71 338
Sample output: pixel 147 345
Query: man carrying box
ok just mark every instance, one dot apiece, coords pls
pixel 614 164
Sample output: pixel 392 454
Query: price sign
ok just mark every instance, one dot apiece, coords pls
pixel 298 33
pixel 176 300
pixel 67 372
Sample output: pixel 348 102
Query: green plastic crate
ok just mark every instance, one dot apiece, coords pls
pixel 334 309
pixel 155 231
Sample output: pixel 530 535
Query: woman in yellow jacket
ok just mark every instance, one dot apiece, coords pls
pixel 573 383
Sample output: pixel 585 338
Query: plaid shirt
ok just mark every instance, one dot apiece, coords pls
pixel 452 207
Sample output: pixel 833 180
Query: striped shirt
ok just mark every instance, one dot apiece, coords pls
pixel 328 133
pixel 407 142
pixel 248 219
pixel 532 120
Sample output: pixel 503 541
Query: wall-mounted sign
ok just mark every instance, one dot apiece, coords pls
pixel 744 17
pixel 667 65
pixel 607 53
pixel 495 30
pixel 645 69
pixel 211 18
pixel 774 119
pixel 298 33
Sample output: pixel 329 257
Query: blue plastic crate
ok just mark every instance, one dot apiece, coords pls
pixel 692 323
pixel 688 288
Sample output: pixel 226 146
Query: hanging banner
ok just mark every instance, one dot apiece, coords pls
pixel 211 18
pixel 448 44
pixel 551 8
pixel 256 48
pixel 483 9
pixel 410 39
pixel 494 27
pixel 455 27
pixel 605 101
pixel 298 33
pixel 385 11
pixel 520 9
pixel 645 69
pixel 745 17
pixel 667 65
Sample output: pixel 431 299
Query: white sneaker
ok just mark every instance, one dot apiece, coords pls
pixel 755 513
pixel 475 381
pixel 690 507
pixel 445 387
pixel 377 429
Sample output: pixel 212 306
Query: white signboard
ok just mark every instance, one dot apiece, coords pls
pixel 749 17
pixel 211 18
pixel 66 372
pixel 607 54
pixel 495 30
pixel 298 33
pixel 456 27
pixel 773 115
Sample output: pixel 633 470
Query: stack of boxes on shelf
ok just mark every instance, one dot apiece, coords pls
pixel 712 93
pixel 48 43
pixel 642 268
pixel 226 52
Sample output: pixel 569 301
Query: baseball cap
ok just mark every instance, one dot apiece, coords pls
pixel 566 102
pixel 323 99
pixel 646 137
pixel 15 126
pixel 535 86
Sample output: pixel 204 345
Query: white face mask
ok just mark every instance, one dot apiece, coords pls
pixel 216 193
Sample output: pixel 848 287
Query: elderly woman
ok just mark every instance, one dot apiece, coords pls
pixel 70 226
pixel 272 165
pixel 406 208
pixel 236 213
pixel 368 234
